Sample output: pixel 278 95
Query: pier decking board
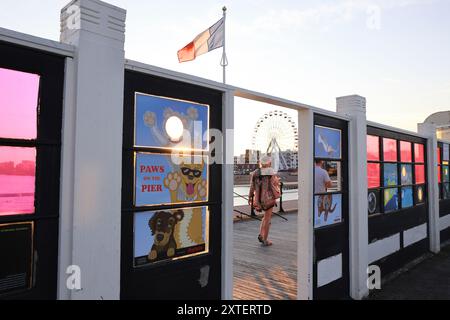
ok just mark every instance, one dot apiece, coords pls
pixel 266 273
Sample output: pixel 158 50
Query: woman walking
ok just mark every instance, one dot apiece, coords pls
pixel 264 191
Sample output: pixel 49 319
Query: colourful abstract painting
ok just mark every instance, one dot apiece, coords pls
pixel 390 174
pixel 407 197
pixel 406 174
pixel 390 199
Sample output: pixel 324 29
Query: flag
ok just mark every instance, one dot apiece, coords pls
pixel 206 41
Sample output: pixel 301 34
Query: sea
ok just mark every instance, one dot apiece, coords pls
pixel 16 194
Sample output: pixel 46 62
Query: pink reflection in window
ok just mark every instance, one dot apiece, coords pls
pixel 439 174
pixel 419 155
pixel 439 155
pixel 390 149
pixel 373 175
pixel 17 180
pixel 420 174
pixel 373 148
pixel 18 104
pixel 405 151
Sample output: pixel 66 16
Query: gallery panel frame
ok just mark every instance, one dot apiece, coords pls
pixel 404 167
pixel 331 237
pixel 391 214
pixel 50 68
pixel 175 272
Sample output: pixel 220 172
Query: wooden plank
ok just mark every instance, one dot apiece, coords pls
pixel 266 273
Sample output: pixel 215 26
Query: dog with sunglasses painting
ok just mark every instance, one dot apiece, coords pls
pixel 187 185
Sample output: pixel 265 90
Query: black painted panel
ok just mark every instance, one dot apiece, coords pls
pixel 444 207
pixel 387 224
pixel 445 235
pixel 45 263
pixel 50 67
pixel 332 240
pixel 177 279
pixel 399 259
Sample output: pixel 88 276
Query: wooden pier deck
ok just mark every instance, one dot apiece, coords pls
pixel 266 273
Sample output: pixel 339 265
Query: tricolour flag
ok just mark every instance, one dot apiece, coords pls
pixel 206 41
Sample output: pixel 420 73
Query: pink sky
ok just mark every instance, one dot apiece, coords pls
pixel 18 104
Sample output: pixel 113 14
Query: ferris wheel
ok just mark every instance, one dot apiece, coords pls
pixel 275 131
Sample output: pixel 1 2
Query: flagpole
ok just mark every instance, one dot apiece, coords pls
pixel 224 61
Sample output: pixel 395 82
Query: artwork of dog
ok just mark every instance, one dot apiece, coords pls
pixel 325 205
pixel 187 184
pixel 162 226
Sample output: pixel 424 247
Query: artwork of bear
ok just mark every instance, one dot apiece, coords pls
pixel 162 226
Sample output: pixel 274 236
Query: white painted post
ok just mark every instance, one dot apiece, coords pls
pixel 67 178
pixel 92 149
pixel 429 130
pixel 354 106
pixel 305 227
pixel 227 195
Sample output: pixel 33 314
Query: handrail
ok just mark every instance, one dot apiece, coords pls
pixel 252 209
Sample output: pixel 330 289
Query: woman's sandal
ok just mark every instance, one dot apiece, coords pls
pixel 267 243
pixel 260 238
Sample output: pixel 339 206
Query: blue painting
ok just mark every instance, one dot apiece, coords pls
pixel 390 199
pixel 170 234
pixel 407 197
pixel 406 174
pixel 170 124
pixel 390 174
pixel 327 210
pixel 170 179
pixel 327 143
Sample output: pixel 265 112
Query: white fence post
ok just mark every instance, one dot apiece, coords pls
pixel 355 107
pixel 92 148
pixel 429 130
pixel 227 194
pixel 305 227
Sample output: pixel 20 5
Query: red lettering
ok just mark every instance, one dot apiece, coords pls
pixel 151 188
pixel 152 169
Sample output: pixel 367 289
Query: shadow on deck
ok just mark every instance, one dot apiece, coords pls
pixel 266 273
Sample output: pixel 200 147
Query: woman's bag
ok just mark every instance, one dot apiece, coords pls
pixel 269 191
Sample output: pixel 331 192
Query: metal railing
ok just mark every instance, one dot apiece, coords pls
pixel 253 215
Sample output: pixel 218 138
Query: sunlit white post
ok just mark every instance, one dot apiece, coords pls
pixel 305 205
pixel 429 130
pixel 355 107
pixel 92 149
